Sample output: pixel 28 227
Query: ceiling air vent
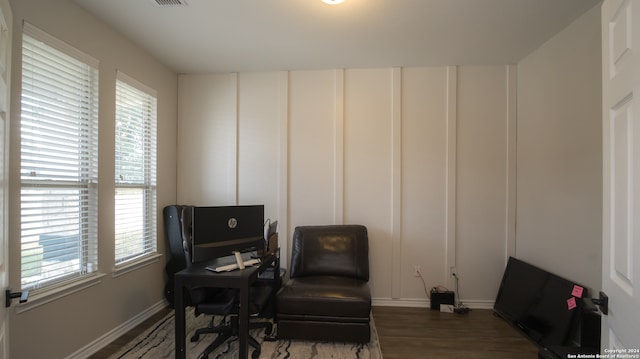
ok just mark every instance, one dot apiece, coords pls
pixel 170 2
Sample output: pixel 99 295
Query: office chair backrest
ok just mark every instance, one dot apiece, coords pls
pixel 186 225
pixel 173 232
pixel 340 250
pixel 178 259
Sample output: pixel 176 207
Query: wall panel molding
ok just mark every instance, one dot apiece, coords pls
pixel 451 181
pixel 233 86
pixel 338 185
pixel 382 147
pixel 512 148
pixel 396 180
pixel 283 164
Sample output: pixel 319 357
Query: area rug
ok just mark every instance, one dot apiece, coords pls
pixel 158 342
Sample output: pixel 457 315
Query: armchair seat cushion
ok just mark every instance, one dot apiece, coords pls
pixel 325 297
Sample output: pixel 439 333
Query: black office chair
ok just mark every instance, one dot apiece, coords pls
pixel 215 301
pixel 229 326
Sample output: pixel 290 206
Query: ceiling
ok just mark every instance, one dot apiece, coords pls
pixel 267 35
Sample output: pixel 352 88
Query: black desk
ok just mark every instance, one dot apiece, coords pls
pixel 198 276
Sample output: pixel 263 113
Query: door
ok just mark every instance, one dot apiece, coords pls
pixel 621 173
pixel 5 76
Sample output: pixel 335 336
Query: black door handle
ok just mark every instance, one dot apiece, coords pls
pixel 24 296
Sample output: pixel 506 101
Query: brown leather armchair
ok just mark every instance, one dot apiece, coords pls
pixel 328 296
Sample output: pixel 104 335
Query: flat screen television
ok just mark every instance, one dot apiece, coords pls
pixel 544 306
pixel 217 231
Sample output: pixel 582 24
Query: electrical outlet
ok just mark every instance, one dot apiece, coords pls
pixel 452 271
pixel 416 270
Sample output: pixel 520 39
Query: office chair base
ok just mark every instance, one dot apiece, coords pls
pixel 224 326
pixel 222 337
pixel 228 329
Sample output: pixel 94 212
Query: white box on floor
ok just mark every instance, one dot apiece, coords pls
pixel 446 308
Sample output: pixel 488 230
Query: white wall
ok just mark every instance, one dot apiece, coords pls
pixel 80 322
pixel 424 181
pixel 446 166
pixel 207 139
pixel 483 178
pixel 560 154
pixel 369 146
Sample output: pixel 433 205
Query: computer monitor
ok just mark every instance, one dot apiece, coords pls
pixel 217 231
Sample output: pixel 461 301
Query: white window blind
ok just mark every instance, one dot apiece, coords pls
pixel 135 172
pixel 58 163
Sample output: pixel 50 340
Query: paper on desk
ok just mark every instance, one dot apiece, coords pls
pixel 234 266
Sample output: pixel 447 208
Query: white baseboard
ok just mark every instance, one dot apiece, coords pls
pixel 424 303
pixel 390 302
pixel 478 304
pixel 118 331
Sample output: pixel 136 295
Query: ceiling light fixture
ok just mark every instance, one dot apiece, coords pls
pixel 332 2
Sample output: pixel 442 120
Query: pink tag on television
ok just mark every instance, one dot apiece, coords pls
pixel 577 291
pixel 571 303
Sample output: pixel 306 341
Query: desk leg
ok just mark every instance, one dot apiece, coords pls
pixel 178 301
pixel 244 322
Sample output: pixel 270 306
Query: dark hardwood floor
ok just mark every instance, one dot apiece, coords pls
pixel 114 346
pixel 426 333
pixel 419 333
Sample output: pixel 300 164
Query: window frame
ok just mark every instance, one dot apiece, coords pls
pixel 147 182
pixel 34 165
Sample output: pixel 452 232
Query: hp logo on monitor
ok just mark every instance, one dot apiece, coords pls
pixel 232 223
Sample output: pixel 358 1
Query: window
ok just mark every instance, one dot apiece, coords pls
pixel 135 172
pixel 58 163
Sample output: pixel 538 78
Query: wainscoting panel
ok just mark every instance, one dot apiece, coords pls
pixel 368 134
pixel 424 165
pixel 418 155
pixel 207 139
pixel 481 198
pixel 312 146
pixel 259 140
